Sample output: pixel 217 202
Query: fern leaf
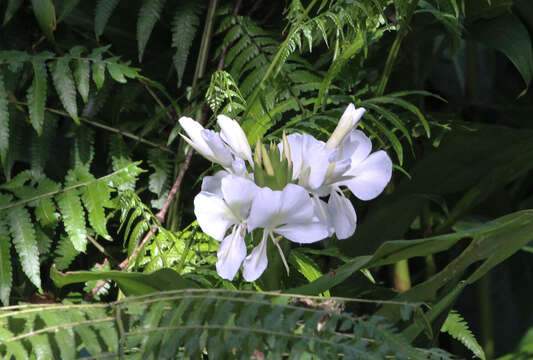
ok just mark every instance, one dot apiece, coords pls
pixel 99 73
pixel 160 178
pixel 41 146
pixel 41 347
pixel 44 242
pixel 14 348
pixel 457 327
pixel 82 72
pixel 12 8
pixel 184 26
pixel 65 253
pixel 5 263
pixel 45 14
pixel 4 121
pixel 64 336
pixel 148 15
pixel 36 96
pixel 95 196
pixel 102 13
pixel 74 218
pixel 23 235
pixel 83 148
pixel 45 212
pixel 64 84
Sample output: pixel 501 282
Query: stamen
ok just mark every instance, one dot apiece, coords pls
pixel 276 241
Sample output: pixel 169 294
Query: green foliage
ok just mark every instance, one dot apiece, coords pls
pixel 458 329
pixel 185 323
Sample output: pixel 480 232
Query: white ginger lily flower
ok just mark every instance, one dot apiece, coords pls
pixel 207 142
pixel 289 213
pixel 233 135
pixel 219 209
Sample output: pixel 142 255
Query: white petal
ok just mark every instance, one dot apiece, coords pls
pixel 296 205
pixel 357 146
pixel 231 253
pixel 295 144
pixel 221 153
pixel 255 264
pixel 265 209
pixel 321 212
pixel 348 120
pixel 371 176
pixel 304 233
pixel 213 215
pixel 239 167
pixel 316 157
pixel 342 215
pixel 194 131
pixel 239 193
pixel 212 184
pixel 232 133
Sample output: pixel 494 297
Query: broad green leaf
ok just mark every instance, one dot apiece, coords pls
pixel 132 284
pixel 36 96
pixel 492 243
pixel 4 121
pixel 74 218
pixel 64 84
pixel 98 73
pixel 507 34
pixel 45 14
pixel 5 262
pixel 23 235
pixel 104 9
pixel 148 15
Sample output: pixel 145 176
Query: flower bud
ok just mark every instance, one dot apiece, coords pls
pixel 348 120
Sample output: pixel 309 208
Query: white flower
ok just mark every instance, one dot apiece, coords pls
pixel 289 213
pixel 369 173
pixel 232 133
pixel 347 122
pixel 207 142
pixel 218 210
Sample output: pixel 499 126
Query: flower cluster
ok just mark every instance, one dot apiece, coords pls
pixel 283 189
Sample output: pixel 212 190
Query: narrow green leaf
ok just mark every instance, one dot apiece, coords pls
pixel 64 336
pixel 74 218
pixel 65 253
pixel 64 84
pixel 14 347
pixel 36 96
pixel 82 73
pixel 12 8
pixel 23 235
pixel 148 15
pixel 95 196
pixel 104 9
pixel 116 72
pixel 5 262
pixel 98 73
pixel 45 14
pixel 4 121
pixel 41 347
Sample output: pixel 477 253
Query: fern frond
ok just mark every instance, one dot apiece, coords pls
pixel 36 97
pixel 102 13
pixel 457 327
pixel 41 146
pixel 65 337
pixel 45 211
pixel 94 197
pixel 159 180
pixel 5 262
pixel 82 72
pixel 74 218
pixel 4 121
pixel 184 27
pixel 64 253
pixel 23 235
pixel 64 84
pixel 148 15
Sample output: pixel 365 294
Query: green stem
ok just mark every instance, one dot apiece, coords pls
pixel 201 63
pixel 485 315
pixel 402 278
pixel 393 54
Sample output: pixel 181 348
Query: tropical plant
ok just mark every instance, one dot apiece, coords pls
pixel 104 253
